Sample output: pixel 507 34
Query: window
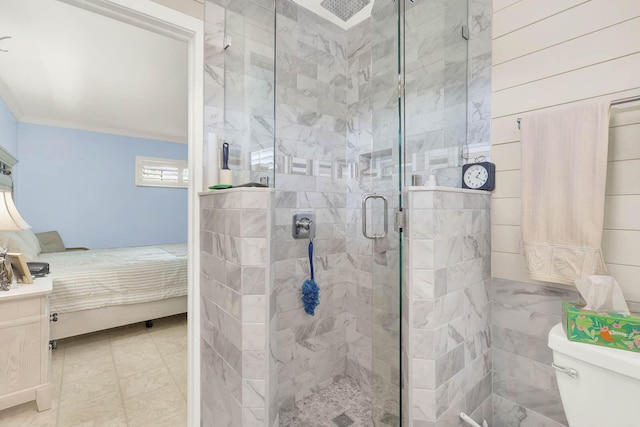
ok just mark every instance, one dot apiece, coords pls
pixel 157 172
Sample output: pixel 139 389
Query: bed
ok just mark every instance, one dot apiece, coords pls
pixel 105 288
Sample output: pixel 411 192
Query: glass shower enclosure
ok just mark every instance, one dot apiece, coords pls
pixel 338 117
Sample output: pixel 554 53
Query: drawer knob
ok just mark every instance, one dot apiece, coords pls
pixel 53 317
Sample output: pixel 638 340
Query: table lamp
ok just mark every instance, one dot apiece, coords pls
pixel 10 220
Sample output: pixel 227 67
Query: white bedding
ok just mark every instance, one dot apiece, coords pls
pixel 98 278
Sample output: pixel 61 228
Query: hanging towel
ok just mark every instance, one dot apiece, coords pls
pixel 564 170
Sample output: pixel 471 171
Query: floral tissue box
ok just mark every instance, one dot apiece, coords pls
pixel 613 330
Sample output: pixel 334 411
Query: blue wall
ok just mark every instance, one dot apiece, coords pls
pixel 8 130
pixel 82 184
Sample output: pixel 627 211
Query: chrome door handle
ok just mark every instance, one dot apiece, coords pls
pixel 364 216
pixel 569 371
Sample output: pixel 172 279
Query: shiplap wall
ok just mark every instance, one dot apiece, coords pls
pixel 550 54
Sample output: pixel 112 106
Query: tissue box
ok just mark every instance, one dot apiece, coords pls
pixel 613 330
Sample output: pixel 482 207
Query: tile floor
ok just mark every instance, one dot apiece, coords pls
pixel 343 403
pixel 129 376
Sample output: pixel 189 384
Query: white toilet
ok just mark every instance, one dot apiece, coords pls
pixel 599 386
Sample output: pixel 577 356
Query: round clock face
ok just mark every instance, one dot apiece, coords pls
pixel 476 176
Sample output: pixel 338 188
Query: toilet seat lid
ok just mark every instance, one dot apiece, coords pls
pixel 621 361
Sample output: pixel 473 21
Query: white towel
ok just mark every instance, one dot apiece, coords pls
pixel 564 170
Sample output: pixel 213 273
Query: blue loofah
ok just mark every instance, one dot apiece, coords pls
pixel 310 289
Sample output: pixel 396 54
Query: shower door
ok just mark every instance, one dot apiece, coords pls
pixel 382 177
pixel 418 106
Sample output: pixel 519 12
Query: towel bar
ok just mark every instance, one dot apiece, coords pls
pixel 614 102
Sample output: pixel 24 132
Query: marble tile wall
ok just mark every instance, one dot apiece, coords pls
pixel 249 88
pixel 479 80
pixel 310 145
pixel 435 67
pixel 359 249
pixel 235 255
pixel 524 384
pixel 447 87
pixel 214 27
pixel 446 288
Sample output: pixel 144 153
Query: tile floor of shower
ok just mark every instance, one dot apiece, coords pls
pixel 341 404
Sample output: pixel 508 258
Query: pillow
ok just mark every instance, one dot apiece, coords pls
pixel 31 241
pixel 50 241
pixel 13 241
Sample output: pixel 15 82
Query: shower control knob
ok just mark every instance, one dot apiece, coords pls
pixel 305 224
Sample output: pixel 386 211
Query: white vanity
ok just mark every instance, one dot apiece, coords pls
pixel 24 345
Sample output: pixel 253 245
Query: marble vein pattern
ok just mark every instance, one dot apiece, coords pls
pixel 447 322
pixel 236 326
pixel 525 390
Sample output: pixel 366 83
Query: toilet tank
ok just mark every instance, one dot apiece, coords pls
pixel 606 391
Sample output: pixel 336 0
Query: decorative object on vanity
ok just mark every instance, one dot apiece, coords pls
pixel 479 176
pixel 561 222
pixel 20 268
pixel 38 269
pixel 5 271
pixel 226 176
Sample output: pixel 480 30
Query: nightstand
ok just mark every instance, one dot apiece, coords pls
pixel 24 345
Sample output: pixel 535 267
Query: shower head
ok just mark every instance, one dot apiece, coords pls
pixel 344 9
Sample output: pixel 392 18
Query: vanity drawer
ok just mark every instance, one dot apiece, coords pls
pixel 16 309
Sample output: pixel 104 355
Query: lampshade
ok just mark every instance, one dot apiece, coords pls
pixel 10 219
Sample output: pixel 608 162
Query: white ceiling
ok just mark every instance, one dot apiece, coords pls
pixel 73 68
